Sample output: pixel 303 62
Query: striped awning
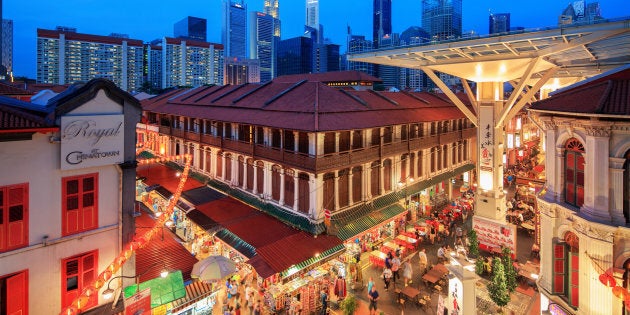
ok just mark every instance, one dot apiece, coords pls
pixel 194 292
pixel 369 221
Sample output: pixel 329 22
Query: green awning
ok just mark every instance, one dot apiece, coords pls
pixel 163 290
pixel 236 242
pixel 419 186
pixel 313 260
pixel 368 221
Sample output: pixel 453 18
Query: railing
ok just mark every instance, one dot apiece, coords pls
pixel 322 163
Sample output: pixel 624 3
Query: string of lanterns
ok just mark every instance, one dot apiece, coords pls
pixel 92 289
pixel 619 292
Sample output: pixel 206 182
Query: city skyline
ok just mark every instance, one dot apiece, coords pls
pixel 148 21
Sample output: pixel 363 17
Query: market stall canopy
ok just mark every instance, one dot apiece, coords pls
pixel 163 290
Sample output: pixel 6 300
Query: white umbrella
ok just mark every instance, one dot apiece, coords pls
pixel 213 268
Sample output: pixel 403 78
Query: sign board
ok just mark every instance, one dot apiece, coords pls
pixel 455 296
pixel 139 303
pixel 327 213
pixel 493 234
pixel 88 141
pixel 440 305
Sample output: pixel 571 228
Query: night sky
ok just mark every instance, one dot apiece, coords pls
pixel 148 20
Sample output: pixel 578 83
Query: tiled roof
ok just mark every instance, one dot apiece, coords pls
pixel 165 251
pixel 609 95
pixel 304 105
pixel 7 89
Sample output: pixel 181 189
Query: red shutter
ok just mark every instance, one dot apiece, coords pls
pixel 77 273
pixel 3 241
pixel 89 274
pixel 80 204
pixel 17 209
pixel 559 270
pixel 17 294
pixel 575 278
pixel 70 217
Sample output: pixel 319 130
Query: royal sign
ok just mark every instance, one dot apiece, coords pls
pixel 88 141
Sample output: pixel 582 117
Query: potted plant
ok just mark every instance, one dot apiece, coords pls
pixel 497 289
pixel 349 305
pixel 473 246
pixel 479 267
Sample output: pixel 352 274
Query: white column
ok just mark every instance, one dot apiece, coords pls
pixel 366 192
pixel 281 202
pixel 336 180
pixel 350 194
pixel 267 178
pixel 591 292
pixel 296 193
pixel 256 170
pixel 616 191
pixel 244 173
pixel 296 141
pixel 596 172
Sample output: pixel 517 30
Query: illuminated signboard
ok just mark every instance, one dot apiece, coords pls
pixel 88 141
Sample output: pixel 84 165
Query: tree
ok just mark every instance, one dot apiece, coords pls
pixel 349 305
pixel 508 267
pixel 473 247
pixel 497 288
pixel 479 266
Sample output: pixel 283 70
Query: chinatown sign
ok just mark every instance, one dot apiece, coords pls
pixel 88 141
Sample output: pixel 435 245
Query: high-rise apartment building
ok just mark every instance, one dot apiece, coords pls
pixel 358 44
pixel 263 43
pixel 234 31
pixel 381 21
pixel 499 23
pixel 442 19
pixel 240 71
pixel 580 12
pixel 153 62
pixel 65 57
pixel 191 63
pixel 295 56
pixel 272 8
pixel 7 46
pixel 191 28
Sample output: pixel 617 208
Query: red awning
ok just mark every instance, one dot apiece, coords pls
pixel 165 176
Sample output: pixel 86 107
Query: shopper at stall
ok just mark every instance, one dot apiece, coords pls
pixel 324 298
pixel 373 296
pixel 441 254
pixel 387 277
pixel 407 272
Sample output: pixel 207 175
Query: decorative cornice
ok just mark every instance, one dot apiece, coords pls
pixel 548 124
pixel 597 131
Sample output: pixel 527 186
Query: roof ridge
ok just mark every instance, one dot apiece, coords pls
pixel 211 92
pixel 354 97
pixel 415 97
pixel 383 97
pixel 279 95
pixel 228 92
pixel 238 99
pixel 195 93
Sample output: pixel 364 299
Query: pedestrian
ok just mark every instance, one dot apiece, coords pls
pixel 423 260
pixel 324 298
pixel 396 268
pixel 407 272
pixel 257 309
pixel 387 277
pixel 373 296
pixel 441 254
pixel 388 260
pixel 370 284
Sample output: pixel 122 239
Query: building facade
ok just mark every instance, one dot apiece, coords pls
pixel 442 19
pixel 67 198
pixel 191 28
pixel 67 57
pixel 356 44
pixel 295 56
pixel 498 23
pixel 7 46
pixel 304 159
pixel 585 209
pixel 191 63
pixel 241 71
pixel 234 31
pixel 381 21
pixel 272 8
pixel 263 43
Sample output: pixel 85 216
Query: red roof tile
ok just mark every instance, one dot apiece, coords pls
pixel 159 174
pixel 333 76
pixel 166 252
pixel 8 90
pixel 308 106
pixel 16 118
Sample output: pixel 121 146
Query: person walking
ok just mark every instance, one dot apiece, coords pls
pixel 370 284
pixel 423 260
pixel 407 272
pixel 373 296
pixel 387 277
pixel 396 268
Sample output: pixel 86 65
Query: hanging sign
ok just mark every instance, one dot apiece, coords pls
pixel 88 141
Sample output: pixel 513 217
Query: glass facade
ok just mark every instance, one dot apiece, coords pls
pixel 295 55
pixel 191 28
pixel 442 19
pixel 234 33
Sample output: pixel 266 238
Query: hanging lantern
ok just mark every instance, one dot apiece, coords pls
pixel 607 280
pixel 627 303
pixel 620 292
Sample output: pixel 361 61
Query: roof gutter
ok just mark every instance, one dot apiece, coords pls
pixel 580 114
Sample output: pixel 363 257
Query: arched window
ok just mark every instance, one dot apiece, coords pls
pixel 420 162
pixel 228 167
pixel 219 170
pixel 260 177
pixel 304 193
pixel 403 167
pixel 329 192
pixel 275 182
pixel 250 174
pixel 357 183
pixel 289 187
pixel 412 163
pixel 433 159
pixel 566 267
pixel 207 160
pixel 387 175
pixel 375 178
pixel 626 188
pixel 574 172
pixel 444 156
pixel 241 171
pixel 344 187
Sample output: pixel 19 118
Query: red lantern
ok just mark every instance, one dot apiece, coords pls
pixel 620 292
pixel 607 280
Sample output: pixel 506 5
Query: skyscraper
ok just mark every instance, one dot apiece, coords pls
pixel 358 44
pixel 272 8
pixel 234 31
pixel 263 43
pixel 442 19
pixel 295 55
pixel 66 57
pixel 7 46
pixel 191 28
pixel 499 23
pixel 381 21
pixel 312 13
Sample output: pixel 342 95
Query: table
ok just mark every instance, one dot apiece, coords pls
pixel 441 269
pixel 410 292
pixel 409 242
pixel 431 276
pixel 378 258
pixel 390 246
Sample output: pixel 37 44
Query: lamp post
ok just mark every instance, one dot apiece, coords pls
pixel 109 292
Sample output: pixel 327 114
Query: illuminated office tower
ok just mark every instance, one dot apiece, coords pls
pixel 442 19
pixel 499 23
pixel 263 44
pixel 234 32
pixel 381 21
pixel 272 8
pixel 191 28
pixel 312 13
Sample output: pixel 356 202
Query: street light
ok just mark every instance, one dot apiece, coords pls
pixel 109 292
